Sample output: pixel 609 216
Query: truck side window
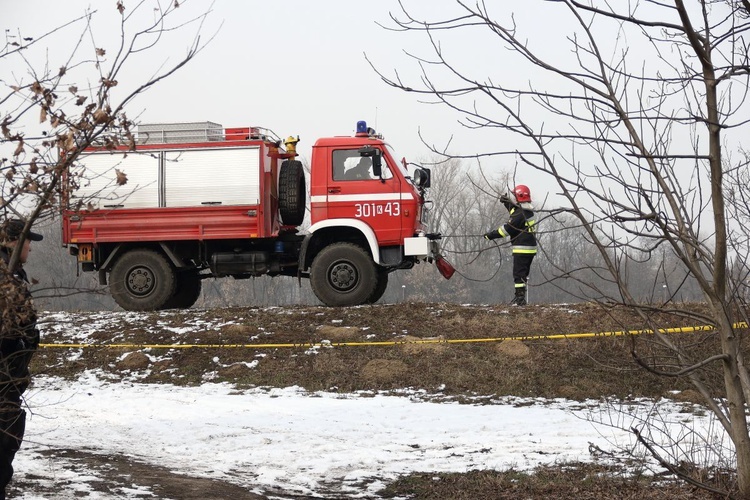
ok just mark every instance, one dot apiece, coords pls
pixel 361 171
pixel 348 165
pixel 339 165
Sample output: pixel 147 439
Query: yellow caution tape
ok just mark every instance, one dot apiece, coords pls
pixel 308 345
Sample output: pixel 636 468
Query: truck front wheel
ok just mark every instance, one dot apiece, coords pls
pixel 142 280
pixel 343 274
pixel 380 287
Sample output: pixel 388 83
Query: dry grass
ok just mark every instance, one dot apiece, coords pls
pixel 572 481
pixel 578 369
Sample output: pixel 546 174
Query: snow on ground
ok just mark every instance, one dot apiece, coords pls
pixel 302 442
pixel 311 443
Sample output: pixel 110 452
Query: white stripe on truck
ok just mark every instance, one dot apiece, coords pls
pixel 322 198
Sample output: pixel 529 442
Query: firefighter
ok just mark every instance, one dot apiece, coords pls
pixel 360 171
pixel 19 338
pixel 521 229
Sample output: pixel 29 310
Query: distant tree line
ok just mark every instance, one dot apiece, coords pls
pixel 466 205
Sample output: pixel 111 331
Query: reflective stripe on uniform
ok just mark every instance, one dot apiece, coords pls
pixel 524 249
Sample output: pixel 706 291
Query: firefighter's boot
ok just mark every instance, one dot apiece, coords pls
pixel 520 298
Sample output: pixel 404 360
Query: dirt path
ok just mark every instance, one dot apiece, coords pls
pixel 115 475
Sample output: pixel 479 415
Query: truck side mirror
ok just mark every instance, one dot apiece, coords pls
pixel 377 165
pixel 377 159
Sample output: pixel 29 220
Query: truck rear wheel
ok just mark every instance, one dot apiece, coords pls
pixel 142 280
pixel 187 290
pixel 381 285
pixel 292 193
pixel 343 274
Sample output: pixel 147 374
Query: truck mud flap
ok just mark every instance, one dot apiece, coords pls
pixel 301 260
pixel 108 263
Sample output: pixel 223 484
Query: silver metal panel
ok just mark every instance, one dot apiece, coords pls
pixel 98 184
pixel 212 177
pixel 171 133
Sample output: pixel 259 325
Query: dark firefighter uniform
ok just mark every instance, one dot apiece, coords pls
pixel 521 228
pixel 19 339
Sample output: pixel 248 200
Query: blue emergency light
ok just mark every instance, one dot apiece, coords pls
pixel 363 130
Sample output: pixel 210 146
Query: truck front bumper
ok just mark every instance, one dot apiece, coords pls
pixel 428 247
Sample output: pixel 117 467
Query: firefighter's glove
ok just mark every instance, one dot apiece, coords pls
pixel 491 235
pixel 504 198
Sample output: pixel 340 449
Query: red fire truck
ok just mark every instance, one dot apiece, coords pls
pixel 203 201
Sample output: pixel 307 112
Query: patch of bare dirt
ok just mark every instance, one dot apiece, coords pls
pixel 513 349
pixel 416 345
pixel 134 361
pixel 339 333
pixel 118 473
pixel 380 371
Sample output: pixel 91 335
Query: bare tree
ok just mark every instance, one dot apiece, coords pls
pixel 52 111
pixel 634 110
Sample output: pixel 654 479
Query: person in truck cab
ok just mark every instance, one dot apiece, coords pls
pixel 19 338
pixel 360 171
pixel 521 228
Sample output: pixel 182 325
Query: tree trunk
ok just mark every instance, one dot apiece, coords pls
pixel 736 403
pixel 735 394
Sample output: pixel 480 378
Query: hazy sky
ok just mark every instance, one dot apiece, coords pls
pixel 296 67
pixel 299 68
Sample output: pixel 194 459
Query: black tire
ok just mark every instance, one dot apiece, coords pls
pixel 343 274
pixel 380 287
pixel 187 290
pixel 142 280
pixel 292 193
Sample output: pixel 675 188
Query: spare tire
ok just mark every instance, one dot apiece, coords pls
pixel 292 193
